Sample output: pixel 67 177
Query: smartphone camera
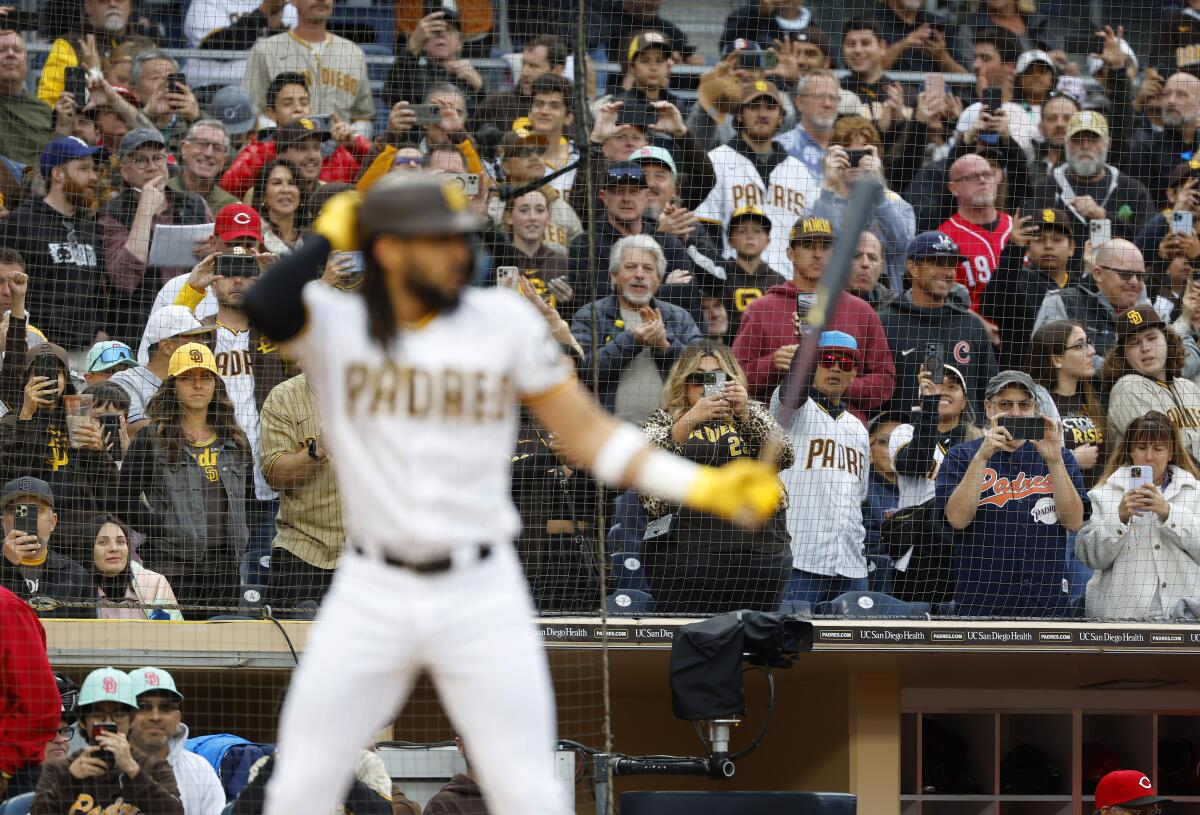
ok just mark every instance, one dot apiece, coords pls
pixel 856 156
pixel 110 432
pixel 236 265
pixel 714 383
pixel 104 727
pixel 935 366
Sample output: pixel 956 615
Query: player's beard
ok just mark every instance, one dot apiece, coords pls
pixel 435 297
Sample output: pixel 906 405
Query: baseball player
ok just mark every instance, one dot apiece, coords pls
pixel 418 379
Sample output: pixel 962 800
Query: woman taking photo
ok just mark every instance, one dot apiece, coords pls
pixel 920 553
pixel 279 194
pixel 125 589
pixel 697 563
pixel 1143 538
pixel 1062 360
pixel 1144 369
pixel 184 482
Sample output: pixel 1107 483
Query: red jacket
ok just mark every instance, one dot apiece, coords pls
pixel 342 165
pixel 767 325
pixel 29 702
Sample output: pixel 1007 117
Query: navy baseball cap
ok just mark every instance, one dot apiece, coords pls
pixel 62 150
pixel 624 172
pixel 931 246
pixel 740 44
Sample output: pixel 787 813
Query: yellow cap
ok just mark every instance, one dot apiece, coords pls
pixel 192 355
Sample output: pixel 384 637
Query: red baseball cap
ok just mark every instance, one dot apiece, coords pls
pixel 1126 788
pixel 238 221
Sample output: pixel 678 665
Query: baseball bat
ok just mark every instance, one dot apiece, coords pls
pixel 861 209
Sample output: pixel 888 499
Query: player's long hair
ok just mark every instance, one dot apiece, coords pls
pixel 166 416
pixel 1150 427
pixel 381 319
pixel 675 397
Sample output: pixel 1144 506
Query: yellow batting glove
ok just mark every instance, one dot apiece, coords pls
pixel 338 221
pixel 745 491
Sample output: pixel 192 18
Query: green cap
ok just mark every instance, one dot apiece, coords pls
pixel 107 685
pixel 145 680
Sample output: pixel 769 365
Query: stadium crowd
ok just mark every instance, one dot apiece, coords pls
pixel 1004 418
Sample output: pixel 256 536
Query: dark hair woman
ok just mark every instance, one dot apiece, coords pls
pixel 185 481
pixel 1062 360
pixel 125 589
pixel 281 198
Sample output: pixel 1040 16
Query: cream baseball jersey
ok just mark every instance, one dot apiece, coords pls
pixel 783 196
pixel 913 491
pixel 422 434
pixel 232 350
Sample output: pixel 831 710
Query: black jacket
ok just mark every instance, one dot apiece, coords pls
pixel 1128 207
pixel 59 579
pixel 910 330
pixel 1155 155
pixel 410 78
pixel 64 260
pixel 1011 301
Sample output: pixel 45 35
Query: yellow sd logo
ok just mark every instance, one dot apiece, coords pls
pixel 1048 216
pixel 1135 318
pixel 195 356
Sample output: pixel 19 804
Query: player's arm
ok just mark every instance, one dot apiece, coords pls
pixel 618 454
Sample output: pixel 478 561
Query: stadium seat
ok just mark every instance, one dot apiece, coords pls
pixel 947 609
pixel 738 803
pixel 626 572
pixel 252 600
pixel 228 810
pixel 871 604
pixel 629 602
pixel 17 805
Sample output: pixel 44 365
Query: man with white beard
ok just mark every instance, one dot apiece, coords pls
pixel 1089 188
pixel 816 110
pixel 107 23
pixel 1156 154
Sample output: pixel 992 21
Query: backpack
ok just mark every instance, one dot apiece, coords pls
pixel 231 756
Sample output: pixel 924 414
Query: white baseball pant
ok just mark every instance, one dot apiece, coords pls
pixel 472 629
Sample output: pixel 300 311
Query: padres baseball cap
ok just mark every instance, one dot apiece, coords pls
pixel 173 321
pixel 749 214
pixel 107 685
pixel 1009 379
pixel 933 246
pixel 145 680
pixel 654 155
pixel 298 131
pixel 232 106
pixel 1136 320
pixel 191 355
pixel 838 341
pixel 811 228
pixel 238 221
pixel 645 41
pixel 138 137
pixel 1052 218
pixel 108 354
pixel 761 88
pixel 406 204
pixel 1087 121
pixel 1127 788
pixel 26 486
pixel 62 150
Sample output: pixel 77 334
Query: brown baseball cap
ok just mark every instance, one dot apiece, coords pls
pixel 1052 218
pixel 760 88
pixel 1135 320
pixel 410 204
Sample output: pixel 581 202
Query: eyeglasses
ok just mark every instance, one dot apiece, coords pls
pixel 972 178
pixel 65 732
pixel 205 145
pixel 1124 274
pixel 111 356
pixel 147 162
pixel 837 361
pixel 163 706
pixel 1080 346
pixel 1008 406
pixel 109 715
pixel 409 161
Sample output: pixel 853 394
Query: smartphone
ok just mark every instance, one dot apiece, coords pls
pixel 469 182
pixel 427 114
pixel 714 383
pixel 1029 428
pixel 110 432
pixel 804 303
pixel 1101 231
pixel 1181 222
pixel 934 84
pixel 1140 475
pixel 350 277
pixel 993 98
pixel 757 60
pixel 856 156
pixel 45 365
pixel 507 277
pixel 934 362
pixel 25 518
pixel 176 83
pixel 75 83
pixel 232 265
pixel 104 727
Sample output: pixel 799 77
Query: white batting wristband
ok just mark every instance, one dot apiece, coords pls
pixel 612 462
pixel 667 476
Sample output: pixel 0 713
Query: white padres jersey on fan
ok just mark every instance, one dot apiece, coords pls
pixel 791 189
pixel 232 349
pixel 913 491
pixel 422 435
pixel 826 487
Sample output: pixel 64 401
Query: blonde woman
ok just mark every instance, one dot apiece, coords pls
pixel 1144 541
pixel 697 563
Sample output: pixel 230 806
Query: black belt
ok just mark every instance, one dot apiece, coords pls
pixel 438 566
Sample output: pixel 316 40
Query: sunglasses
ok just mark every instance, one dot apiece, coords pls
pixel 1122 273
pixel 837 361
pixel 111 356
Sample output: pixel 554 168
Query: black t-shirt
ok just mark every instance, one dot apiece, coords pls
pixel 743 288
pixel 1079 429
pixel 207 458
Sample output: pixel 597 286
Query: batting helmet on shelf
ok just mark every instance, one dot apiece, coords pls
pixel 409 205
pixel 68 691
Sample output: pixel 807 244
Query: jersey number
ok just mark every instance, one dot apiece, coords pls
pixel 978 273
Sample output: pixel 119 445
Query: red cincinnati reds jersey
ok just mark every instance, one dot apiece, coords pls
pixel 980 249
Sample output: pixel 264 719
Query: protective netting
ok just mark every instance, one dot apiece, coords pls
pixel 1000 421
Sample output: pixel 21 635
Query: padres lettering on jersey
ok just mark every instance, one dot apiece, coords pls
pixel 87 805
pixel 827 454
pixel 448 394
pixel 996 491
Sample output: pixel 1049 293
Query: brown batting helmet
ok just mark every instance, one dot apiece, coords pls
pixel 411 204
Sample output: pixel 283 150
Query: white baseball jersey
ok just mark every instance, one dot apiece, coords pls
pixel 790 190
pixel 206 16
pixel 826 487
pixel 232 349
pixel 422 434
pixel 913 491
pixel 336 71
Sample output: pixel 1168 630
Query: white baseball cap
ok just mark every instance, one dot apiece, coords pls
pixel 1031 58
pixel 172 321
